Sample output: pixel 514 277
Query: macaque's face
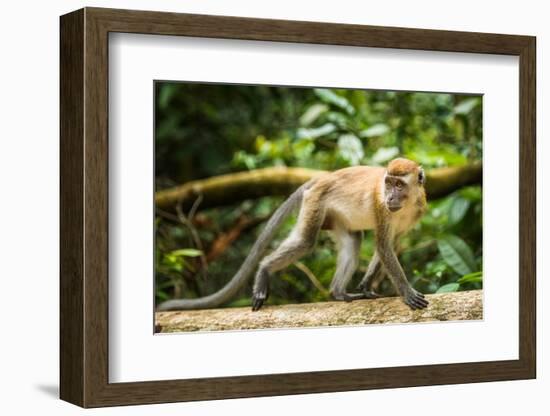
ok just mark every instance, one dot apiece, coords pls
pixel 396 192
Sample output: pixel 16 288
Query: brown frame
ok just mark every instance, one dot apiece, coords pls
pixel 84 208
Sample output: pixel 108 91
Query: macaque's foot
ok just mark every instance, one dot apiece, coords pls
pixel 415 299
pixel 260 290
pixel 258 298
pixel 257 303
pixel 348 297
pixel 371 294
pixel 367 293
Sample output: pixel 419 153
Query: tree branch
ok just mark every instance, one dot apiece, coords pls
pixel 235 187
pixel 456 306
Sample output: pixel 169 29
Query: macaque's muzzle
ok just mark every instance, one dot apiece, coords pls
pixel 394 208
pixel 393 203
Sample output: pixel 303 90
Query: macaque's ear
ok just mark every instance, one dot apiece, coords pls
pixel 421 176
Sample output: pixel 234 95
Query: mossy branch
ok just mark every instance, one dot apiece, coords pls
pixel 235 187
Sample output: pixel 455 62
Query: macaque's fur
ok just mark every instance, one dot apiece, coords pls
pixel 346 202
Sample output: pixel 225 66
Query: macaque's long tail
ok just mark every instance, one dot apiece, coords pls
pixel 249 265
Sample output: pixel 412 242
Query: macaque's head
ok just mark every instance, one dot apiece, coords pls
pixel 403 178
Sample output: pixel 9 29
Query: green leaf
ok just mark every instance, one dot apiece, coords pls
pixel 167 91
pixel 457 254
pixel 375 130
pixel 464 107
pixel 317 132
pixel 471 193
pixel 161 295
pixel 330 97
pixel 458 210
pixel 241 157
pixel 312 113
pixel 476 277
pixel 442 156
pixel 384 154
pixel 187 252
pixel 351 148
pixel 449 287
pixel 302 149
pixel 339 119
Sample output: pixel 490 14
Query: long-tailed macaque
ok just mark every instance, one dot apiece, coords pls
pixel 346 202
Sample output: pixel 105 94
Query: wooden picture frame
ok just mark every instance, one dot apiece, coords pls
pixel 84 207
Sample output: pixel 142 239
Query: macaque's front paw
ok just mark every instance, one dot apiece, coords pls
pixel 415 299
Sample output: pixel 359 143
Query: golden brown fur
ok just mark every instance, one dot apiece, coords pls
pixel 346 202
pixel 402 166
pixel 350 192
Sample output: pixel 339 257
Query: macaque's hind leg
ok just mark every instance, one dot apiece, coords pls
pixel 348 244
pixel 291 250
pixel 374 275
pixel 300 242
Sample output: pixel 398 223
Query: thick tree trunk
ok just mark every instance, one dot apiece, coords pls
pixel 458 306
pixel 235 187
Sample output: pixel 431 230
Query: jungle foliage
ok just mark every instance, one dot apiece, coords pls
pixel 203 130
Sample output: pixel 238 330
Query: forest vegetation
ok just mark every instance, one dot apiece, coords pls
pixel 227 155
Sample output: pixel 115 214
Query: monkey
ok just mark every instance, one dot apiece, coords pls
pixel 345 202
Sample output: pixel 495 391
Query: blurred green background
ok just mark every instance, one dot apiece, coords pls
pixel 204 130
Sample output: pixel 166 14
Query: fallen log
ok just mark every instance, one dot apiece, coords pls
pixel 457 306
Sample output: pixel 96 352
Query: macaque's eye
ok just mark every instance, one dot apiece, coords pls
pixel 399 186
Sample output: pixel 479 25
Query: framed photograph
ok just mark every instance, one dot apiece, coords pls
pixel 255 207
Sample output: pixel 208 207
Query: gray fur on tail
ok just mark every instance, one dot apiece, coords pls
pixel 249 265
